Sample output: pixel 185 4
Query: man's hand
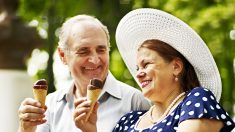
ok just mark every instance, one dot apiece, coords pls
pixel 82 107
pixel 30 115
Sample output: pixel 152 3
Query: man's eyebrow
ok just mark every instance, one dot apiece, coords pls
pixel 81 48
pixel 102 46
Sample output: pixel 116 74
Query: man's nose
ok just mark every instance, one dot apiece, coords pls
pixel 94 58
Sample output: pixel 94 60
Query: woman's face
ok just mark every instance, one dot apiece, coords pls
pixel 155 75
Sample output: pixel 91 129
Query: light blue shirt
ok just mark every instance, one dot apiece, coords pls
pixel 116 99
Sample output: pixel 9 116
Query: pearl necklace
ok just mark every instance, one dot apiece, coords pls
pixel 167 110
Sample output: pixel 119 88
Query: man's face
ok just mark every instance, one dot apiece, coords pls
pixel 88 53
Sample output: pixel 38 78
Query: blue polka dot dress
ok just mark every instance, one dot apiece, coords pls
pixel 198 103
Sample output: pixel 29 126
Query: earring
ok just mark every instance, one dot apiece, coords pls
pixel 176 78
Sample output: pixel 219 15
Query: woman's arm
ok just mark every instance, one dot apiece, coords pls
pixel 200 125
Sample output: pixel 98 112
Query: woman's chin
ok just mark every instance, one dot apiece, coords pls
pixel 146 93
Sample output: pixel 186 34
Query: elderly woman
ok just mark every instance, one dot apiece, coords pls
pixel 175 70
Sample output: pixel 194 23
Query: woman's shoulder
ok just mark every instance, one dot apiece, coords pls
pixel 200 90
pixel 204 93
pixel 200 98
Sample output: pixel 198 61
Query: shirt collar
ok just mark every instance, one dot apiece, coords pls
pixel 66 93
pixel 111 87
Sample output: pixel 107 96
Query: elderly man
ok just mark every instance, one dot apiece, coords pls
pixel 84 48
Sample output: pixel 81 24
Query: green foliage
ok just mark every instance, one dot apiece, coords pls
pixel 32 9
pixel 212 19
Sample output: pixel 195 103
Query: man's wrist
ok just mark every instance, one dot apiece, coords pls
pixel 23 128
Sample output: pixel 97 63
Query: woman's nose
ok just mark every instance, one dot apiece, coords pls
pixel 140 74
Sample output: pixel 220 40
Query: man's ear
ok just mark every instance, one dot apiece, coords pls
pixel 177 66
pixel 62 55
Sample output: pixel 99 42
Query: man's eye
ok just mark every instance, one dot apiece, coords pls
pixel 103 50
pixel 82 52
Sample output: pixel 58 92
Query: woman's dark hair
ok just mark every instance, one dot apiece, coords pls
pixel 188 78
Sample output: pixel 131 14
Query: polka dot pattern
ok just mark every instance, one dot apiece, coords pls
pixel 198 103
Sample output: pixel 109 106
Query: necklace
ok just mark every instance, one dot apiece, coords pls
pixel 167 110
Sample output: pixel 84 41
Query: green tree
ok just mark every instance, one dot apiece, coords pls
pixel 212 19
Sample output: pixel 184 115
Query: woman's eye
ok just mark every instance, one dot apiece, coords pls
pixel 137 68
pixel 146 65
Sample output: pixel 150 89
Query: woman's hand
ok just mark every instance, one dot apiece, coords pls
pixel 82 107
pixel 30 115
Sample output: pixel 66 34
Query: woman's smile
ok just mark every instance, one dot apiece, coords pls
pixel 145 83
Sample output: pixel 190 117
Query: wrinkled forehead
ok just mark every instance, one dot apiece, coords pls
pixel 86 34
pixel 89 46
pixel 83 27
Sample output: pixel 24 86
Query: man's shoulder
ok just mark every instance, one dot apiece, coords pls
pixel 127 87
pixel 115 83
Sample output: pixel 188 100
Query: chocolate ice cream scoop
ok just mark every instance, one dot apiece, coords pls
pixel 40 84
pixel 95 84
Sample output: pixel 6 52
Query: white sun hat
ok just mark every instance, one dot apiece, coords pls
pixel 145 23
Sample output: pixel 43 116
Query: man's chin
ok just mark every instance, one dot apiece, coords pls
pixel 91 76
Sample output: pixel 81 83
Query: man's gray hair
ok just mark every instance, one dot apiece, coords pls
pixel 68 24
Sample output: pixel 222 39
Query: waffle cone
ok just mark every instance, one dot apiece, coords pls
pixel 40 95
pixel 92 95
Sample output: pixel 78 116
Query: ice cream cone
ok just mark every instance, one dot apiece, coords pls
pixel 40 91
pixel 93 95
pixel 40 95
pixel 93 91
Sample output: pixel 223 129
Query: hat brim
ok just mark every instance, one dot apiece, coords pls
pixel 143 24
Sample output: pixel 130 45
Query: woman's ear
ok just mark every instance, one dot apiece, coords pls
pixel 62 55
pixel 177 66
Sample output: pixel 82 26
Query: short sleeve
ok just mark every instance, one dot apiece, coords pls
pixel 201 103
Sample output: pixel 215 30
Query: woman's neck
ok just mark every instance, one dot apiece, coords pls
pixel 161 110
pixel 167 99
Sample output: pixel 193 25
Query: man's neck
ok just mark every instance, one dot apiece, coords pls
pixel 79 92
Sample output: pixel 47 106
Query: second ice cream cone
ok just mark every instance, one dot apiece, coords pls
pixel 92 95
pixel 93 91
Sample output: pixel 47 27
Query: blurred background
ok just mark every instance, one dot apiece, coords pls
pixel 29 37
